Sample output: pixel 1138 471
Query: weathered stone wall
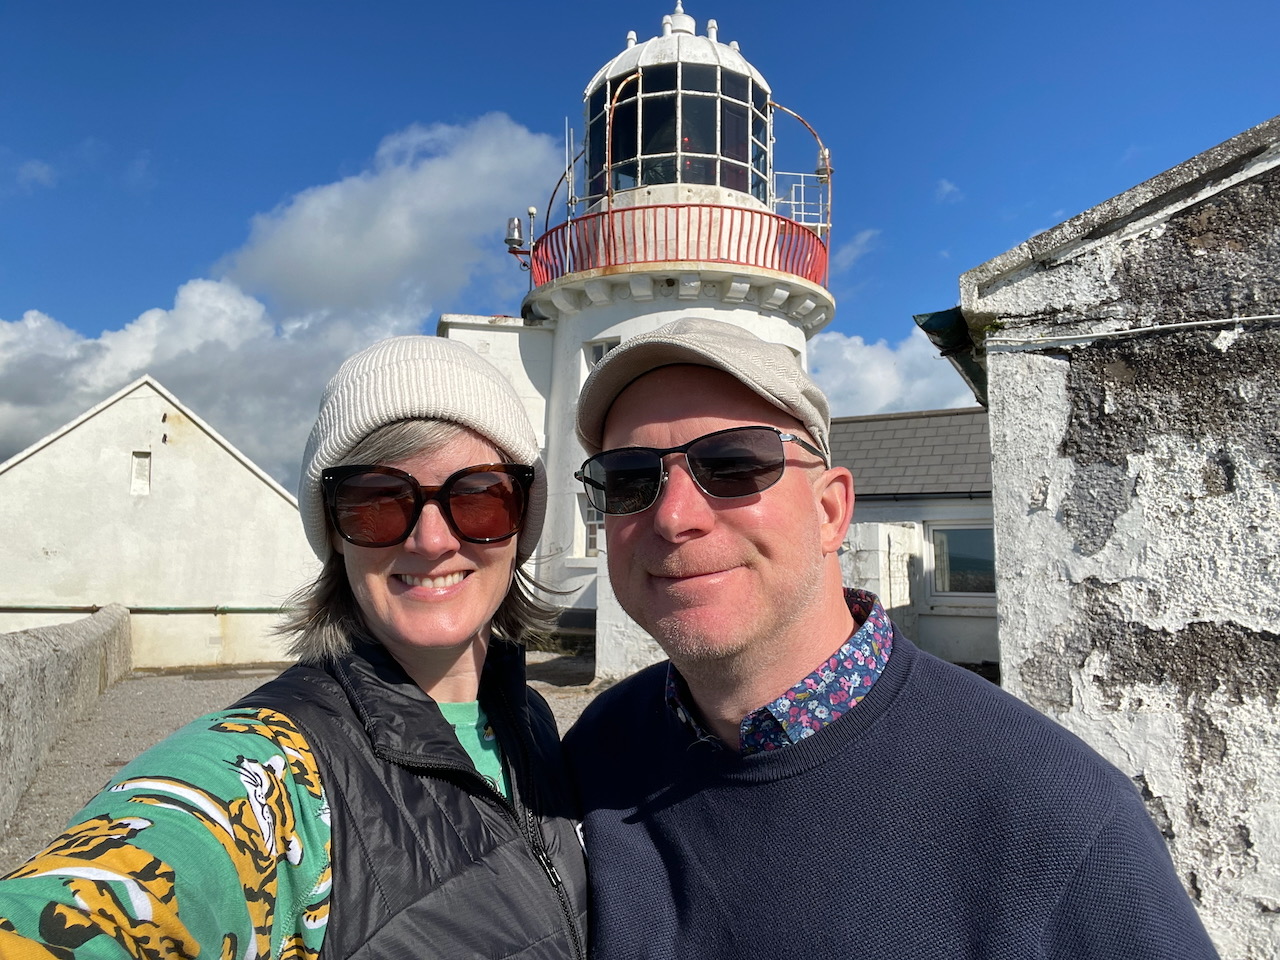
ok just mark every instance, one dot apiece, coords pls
pixel 1137 509
pixel 49 677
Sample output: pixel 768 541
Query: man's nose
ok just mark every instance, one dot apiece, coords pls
pixel 682 509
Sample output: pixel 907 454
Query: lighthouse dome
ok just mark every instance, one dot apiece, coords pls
pixel 679 109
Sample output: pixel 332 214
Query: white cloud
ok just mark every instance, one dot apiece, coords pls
pixel 862 378
pixel 947 192
pixel 36 173
pixel 333 269
pixel 410 232
pixel 850 253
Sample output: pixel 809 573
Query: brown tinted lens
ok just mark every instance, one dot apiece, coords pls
pixel 374 509
pixel 485 506
pixel 737 463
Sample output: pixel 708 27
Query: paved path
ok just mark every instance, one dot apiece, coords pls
pixel 144 708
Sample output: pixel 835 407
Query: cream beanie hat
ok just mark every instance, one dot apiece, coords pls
pixel 418 378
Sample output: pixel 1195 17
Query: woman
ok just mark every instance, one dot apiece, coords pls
pixel 399 792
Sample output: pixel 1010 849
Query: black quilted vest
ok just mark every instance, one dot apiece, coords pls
pixel 428 860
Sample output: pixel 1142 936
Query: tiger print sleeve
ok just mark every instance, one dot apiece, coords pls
pixel 214 843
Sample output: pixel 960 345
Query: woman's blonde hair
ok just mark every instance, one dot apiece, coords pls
pixel 326 617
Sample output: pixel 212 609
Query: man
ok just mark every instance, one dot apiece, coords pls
pixel 799 779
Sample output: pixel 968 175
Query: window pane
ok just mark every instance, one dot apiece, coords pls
pixel 595 147
pixel 759 189
pixel 759 127
pixel 964 561
pixel 659 78
pixel 629 91
pixel 624 131
pixel 759 98
pixel 698 170
pixel 596 102
pixel 699 76
pixel 698 125
pixel 657 170
pixel 759 156
pixel 624 175
pixel 733 85
pixel 733 131
pixel 658 125
pixel 733 176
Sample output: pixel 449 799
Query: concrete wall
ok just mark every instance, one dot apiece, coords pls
pixel 49 677
pixel 1137 489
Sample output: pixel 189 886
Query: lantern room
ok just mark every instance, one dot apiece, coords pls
pixel 679 109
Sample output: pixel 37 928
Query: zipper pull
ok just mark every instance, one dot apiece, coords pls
pixel 544 858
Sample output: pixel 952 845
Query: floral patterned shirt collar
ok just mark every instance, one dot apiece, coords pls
pixel 825 695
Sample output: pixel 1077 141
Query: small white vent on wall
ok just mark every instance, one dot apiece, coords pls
pixel 140 482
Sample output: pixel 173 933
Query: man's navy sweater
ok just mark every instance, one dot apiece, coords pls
pixel 940 818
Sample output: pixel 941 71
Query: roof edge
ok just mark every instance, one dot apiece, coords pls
pixel 149 381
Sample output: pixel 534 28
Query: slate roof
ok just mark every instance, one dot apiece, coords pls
pixel 930 452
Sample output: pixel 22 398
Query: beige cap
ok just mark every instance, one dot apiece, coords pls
pixel 418 378
pixel 770 369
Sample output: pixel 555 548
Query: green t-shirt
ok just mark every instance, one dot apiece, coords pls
pixel 475 733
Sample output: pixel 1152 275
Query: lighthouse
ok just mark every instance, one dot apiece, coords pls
pixel 672 208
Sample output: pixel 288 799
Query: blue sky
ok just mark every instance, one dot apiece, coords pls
pixel 234 196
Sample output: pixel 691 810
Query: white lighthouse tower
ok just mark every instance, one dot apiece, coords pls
pixel 673 208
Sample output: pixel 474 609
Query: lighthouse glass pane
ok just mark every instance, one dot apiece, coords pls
pixel 759 98
pixel 733 131
pixel 657 170
pixel 759 126
pixel 698 170
pixel 734 176
pixel 624 131
pixel 700 76
pixel 759 188
pixel 595 146
pixel 596 102
pixel 759 156
pixel 658 125
pixel 624 175
pixel 698 125
pixel 626 85
pixel 660 78
pixel 733 85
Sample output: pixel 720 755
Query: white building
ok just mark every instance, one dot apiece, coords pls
pixel 141 503
pixel 674 210
pixel 1130 359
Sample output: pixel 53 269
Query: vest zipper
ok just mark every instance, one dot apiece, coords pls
pixel 528 830
pixel 534 837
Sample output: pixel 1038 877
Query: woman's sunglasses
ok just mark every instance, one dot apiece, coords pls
pixel 377 506
pixel 737 462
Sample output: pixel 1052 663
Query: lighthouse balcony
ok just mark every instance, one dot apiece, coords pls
pixel 630 238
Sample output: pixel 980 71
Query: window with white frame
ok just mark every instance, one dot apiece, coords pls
pixel 593 524
pixel 964 559
pixel 596 350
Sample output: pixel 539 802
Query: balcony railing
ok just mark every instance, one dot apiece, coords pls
pixel 685 232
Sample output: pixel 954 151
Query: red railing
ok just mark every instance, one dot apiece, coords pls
pixel 687 232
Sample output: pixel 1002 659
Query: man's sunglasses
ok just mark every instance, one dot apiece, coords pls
pixel 737 462
pixel 378 506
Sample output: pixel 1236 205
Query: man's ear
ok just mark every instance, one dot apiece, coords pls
pixel 834 493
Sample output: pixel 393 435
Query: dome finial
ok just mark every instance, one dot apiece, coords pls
pixel 681 22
